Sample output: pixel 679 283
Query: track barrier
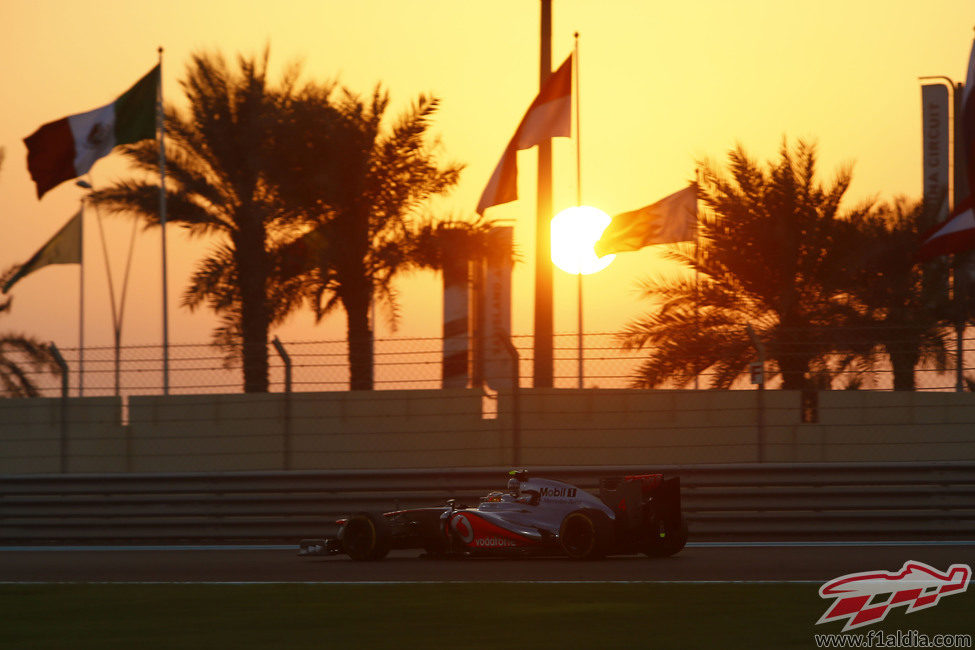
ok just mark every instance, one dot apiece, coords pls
pixel 769 501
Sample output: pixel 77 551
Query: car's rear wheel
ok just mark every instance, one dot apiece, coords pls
pixel 665 539
pixel 366 536
pixel 586 534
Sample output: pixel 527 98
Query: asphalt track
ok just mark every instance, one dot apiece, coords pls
pixel 698 563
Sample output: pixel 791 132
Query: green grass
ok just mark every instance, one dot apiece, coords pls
pixel 477 615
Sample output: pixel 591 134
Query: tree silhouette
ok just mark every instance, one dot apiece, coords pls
pixel 359 188
pixel 904 307
pixel 774 252
pixel 435 244
pixel 21 356
pixel 220 173
pixel 17 349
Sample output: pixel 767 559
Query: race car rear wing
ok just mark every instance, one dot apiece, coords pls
pixel 632 498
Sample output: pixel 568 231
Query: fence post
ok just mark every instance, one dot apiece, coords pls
pixel 286 359
pixel 760 348
pixel 515 396
pixel 58 359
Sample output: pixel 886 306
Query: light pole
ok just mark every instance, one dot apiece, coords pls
pixel 542 358
pixel 81 288
pixel 118 312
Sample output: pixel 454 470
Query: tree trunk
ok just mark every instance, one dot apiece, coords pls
pixel 793 362
pixel 360 342
pixel 903 353
pixel 254 325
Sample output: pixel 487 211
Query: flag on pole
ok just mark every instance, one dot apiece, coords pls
pixel 67 148
pixel 956 234
pixel 549 116
pixel 63 248
pixel 671 219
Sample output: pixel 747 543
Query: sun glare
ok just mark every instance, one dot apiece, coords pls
pixel 574 232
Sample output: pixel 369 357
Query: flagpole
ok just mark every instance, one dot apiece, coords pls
pixel 697 274
pixel 575 69
pixel 81 301
pixel 160 118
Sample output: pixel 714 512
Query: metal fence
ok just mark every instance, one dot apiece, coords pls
pixel 401 363
pixel 814 501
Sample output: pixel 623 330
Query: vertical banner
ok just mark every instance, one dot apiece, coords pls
pixel 936 157
pixel 496 310
pixel 963 152
pixel 456 337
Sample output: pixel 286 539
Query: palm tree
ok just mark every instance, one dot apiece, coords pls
pixel 15 380
pixel 437 244
pixel 17 352
pixel 773 253
pixel 221 184
pixel 904 308
pixel 359 188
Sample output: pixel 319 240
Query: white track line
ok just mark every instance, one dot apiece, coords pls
pixel 423 582
pixel 290 547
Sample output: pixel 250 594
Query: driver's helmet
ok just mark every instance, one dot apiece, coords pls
pixel 515 479
pixel 514 487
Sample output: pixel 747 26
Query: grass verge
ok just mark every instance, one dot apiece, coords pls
pixel 473 615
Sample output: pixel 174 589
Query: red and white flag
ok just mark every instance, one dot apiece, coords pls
pixel 956 234
pixel 549 116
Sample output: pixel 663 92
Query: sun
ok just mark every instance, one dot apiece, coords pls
pixel 575 231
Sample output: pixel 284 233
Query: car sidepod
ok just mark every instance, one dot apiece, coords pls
pixel 492 533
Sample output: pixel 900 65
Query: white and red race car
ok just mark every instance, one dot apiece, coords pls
pixel 533 516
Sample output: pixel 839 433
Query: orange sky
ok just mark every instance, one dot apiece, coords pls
pixel 663 84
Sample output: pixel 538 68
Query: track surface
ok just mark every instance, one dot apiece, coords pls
pixel 769 563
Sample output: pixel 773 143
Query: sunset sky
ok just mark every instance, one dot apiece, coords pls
pixel 663 84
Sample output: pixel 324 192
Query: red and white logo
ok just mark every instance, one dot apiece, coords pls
pixel 463 528
pixel 866 598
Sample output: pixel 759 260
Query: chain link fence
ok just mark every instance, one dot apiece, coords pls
pixel 409 363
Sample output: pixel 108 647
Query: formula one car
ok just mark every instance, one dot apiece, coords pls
pixel 534 516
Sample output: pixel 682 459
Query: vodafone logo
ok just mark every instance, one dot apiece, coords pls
pixel 494 542
pixel 463 528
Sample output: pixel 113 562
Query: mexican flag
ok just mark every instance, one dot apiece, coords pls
pixel 67 148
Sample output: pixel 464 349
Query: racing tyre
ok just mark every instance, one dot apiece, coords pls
pixel 366 536
pixel 586 534
pixel 665 540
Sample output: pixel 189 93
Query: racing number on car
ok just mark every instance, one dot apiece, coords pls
pixel 463 528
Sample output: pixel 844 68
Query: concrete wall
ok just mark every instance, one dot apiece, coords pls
pixel 571 427
pixel 618 427
pixel 875 426
pixel 445 428
pixel 31 440
pixel 409 428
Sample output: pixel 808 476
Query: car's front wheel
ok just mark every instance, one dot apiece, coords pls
pixel 366 536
